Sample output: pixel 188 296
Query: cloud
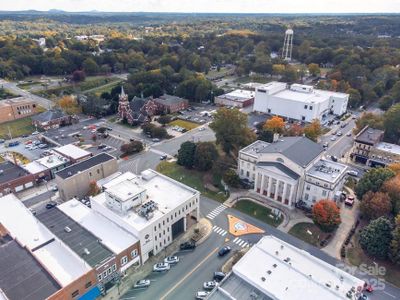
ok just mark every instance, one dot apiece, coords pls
pixel 244 6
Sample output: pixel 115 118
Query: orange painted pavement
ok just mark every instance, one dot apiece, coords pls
pixel 238 227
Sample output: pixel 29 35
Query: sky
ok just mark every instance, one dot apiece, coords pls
pixel 228 6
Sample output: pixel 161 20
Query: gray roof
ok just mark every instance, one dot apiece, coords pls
pixel 281 167
pixel 21 276
pixel 369 136
pixel 84 165
pixel 78 239
pixel 169 99
pixel 299 149
pixel 49 115
pixel 10 172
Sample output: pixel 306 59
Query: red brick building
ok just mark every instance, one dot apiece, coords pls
pixel 171 104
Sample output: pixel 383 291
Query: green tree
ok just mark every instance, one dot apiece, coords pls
pixel 370 119
pixel 314 69
pixel 205 155
pixel 231 178
pixel 354 98
pixel 392 124
pixel 132 147
pixel 186 154
pixel 163 120
pixel 231 130
pixel 90 66
pixel 159 132
pixel 386 102
pixel 375 205
pixel 372 181
pixel 375 238
pixel 394 253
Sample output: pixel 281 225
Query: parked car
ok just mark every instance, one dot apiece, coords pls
pixel 349 201
pixel 339 133
pixel 54 188
pixel 101 146
pixel 163 157
pixel 161 267
pixel 13 144
pixel 202 295
pixel 33 147
pixel 334 158
pixel 171 260
pixel 43 146
pixel 33 211
pixel 35 133
pixel 218 276
pixel 209 285
pixel 343 125
pixel 369 288
pixel 155 140
pixel 224 250
pixel 363 297
pixel 353 173
pixel 333 138
pixel 144 283
pixel 51 204
pixel 2 141
pixel 187 246
pixel 325 145
pixel 201 129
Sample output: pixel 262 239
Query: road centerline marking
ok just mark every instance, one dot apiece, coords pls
pixel 188 274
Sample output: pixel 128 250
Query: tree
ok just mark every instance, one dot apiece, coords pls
pixel 354 98
pixel 326 215
pixel 69 105
pixel 159 132
pixel 375 238
pixel 392 188
pixel 394 253
pixel 205 155
pixel 313 130
pixel 231 131
pixel 163 120
pixel 375 205
pixel 314 69
pixel 370 119
pixel 132 147
pixel 395 167
pixel 186 154
pixel 266 136
pixel 372 181
pixel 231 178
pixel 275 124
pixel 295 129
pixel 93 188
pixel 392 124
pixel 90 66
pixel 78 76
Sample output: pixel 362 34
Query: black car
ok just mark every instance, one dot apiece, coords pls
pixel 218 276
pixel 334 158
pixel 51 205
pixel 223 251
pixel 187 246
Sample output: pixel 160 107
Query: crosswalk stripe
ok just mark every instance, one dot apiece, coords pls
pixel 214 226
pixel 245 245
pixel 240 244
pixel 224 233
pixel 219 230
pixel 235 239
pixel 215 229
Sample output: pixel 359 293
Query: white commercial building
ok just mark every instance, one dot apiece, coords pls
pixel 298 102
pixel 274 269
pixel 236 98
pixel 153 207
pixel 289 170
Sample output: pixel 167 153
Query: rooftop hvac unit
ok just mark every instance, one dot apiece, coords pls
pixel 67 229
pixel 86 251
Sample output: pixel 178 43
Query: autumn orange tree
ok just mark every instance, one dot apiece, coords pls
pixel 392 188
pixel 326 215
pixel 313 130
pixel 395 167
pixel 295 130
pixel 275 124
pixel 93 188
pixel 375 205
pixel 69 105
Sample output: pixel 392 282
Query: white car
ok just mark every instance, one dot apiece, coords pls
pixel 144 283
pixel 333 138
pixel 202 295
pixel 348 134
pixel 209 285
pixel 33 147
pixel 171 260
pixel 161 267
pixel 201 129
pixel 353 173
pixel 35 133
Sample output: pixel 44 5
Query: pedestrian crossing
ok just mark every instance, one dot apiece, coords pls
pixel 216 211
pixel 219 230
pixel 240 242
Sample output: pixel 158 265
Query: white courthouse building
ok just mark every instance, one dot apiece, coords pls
pixel 298 102
pixel 291 169
pixel 151 206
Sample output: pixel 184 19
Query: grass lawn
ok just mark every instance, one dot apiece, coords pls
pixel 300 231
pixel 17 127
pixel 258 211
pixel 191 178
pixel 356 256
pixel 185 124
pixel 104 88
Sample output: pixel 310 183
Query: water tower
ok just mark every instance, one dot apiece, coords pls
pixel 288 45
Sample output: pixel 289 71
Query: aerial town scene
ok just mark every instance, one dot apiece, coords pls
pixel 216 150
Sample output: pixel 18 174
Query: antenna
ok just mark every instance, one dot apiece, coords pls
pixel 288 45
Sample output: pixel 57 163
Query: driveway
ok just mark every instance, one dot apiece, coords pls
pixel 349 216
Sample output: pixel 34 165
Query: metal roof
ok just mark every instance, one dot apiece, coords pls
pixel 21 276
pixel 81 241
pixel 10 172
pixel 281 167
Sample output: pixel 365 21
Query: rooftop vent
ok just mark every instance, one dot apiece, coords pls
pixel 67 229
pixel 263 279
pixel 269 272
pixel 287 259
pixel 86 251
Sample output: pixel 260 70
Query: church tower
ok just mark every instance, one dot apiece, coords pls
pixel 124 109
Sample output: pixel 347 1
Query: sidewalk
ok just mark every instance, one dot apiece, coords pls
pixel 144 270
pixel 33 191
pixel 291 216
pixel 348 216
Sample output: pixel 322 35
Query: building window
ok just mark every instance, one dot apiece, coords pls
pixel 323 192
pixel 124 260
pixel 156 247
pixel 155 237
pixel 99 277
pixel 269 110
pixel 155 228
pixel 163 222
pixel 310 107
pixel 109 271
pixel 134 253
pixel 303 118
pixel 168 218
pixel 159 235
pixel 98 171
pixel 305 196
pixel 74 294
pixel 308 187
pixel 90 174
pixel 305 106
pixel 114 267
pixel 105 274
pixel 88 284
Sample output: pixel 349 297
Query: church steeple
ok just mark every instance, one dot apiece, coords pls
pixel 123 96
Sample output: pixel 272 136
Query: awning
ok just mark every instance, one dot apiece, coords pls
pixel 91 295
pixel 131 263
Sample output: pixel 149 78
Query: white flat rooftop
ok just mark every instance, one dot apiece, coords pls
pixel 166 192
pixel 126 189
pixel 238 95
pixel 390 148
pixel 110 234
pixel 327 170
pixel 72 151
pixel 57 258
pixel 254 148
pixel 52 161
pixel 34 167
pixel 265 268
